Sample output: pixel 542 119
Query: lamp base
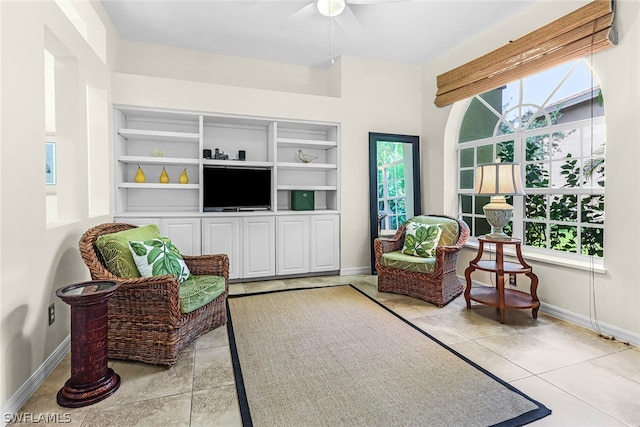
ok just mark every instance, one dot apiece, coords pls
pixel 498 213
pixel 497 235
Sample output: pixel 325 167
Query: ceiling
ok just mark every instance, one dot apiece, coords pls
pixel 409 31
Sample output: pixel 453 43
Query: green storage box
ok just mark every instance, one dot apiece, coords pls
pixel 302 200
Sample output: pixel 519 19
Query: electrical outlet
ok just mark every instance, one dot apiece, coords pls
pixel 512 280
pixel 52 313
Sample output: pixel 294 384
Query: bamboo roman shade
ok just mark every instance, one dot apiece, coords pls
pixel 584 31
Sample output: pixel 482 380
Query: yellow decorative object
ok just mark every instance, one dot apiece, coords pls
pixel 184 179
pixel 140 178
pixel 164 176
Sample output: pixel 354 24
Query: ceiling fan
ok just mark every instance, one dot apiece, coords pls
pixel 338 10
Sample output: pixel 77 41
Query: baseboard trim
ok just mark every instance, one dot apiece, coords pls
pixel 355 271
pixel 24 393
pixel 621 335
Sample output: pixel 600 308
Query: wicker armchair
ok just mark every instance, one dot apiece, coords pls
pixel 439 286
pixel 145 321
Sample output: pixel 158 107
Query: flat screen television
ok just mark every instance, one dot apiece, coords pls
pixel 229 189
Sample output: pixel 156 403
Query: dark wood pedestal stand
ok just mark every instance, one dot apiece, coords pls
pixel 500 297
pixel 91 379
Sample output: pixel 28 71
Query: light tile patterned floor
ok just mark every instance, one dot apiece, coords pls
pixel 585 380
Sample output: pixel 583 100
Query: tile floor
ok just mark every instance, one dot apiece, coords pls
pixel 585 380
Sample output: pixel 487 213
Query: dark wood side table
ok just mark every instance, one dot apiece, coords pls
pixel 498 296
pixel 91 379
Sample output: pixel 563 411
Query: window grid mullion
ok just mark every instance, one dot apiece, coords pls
pixel 577 146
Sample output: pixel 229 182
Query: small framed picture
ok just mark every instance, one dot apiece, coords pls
pixel 50 160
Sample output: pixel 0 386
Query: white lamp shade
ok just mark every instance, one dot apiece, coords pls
pixel 499 178
pixel 330 8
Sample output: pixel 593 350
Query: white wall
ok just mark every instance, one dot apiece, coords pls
pixel 376 97
pixel 564 291
pixel 150 60
pixel 39 257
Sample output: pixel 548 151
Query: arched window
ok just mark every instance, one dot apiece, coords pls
pixel 552 123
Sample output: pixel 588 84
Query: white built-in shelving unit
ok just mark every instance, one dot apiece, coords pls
pixel 153 139
pixel 182 137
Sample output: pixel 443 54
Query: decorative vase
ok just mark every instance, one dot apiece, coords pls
pixel 140 178
pixel 184 178
pixel 164 176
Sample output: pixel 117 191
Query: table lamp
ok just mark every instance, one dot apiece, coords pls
pixel 498 180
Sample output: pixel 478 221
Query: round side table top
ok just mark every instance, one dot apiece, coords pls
pixel 93 290
pixel 508 241
pixel 90 287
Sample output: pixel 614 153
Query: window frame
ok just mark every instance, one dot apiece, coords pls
pixel 386 226
pixel 519 137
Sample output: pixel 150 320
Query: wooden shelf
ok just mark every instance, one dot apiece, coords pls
pixel 158 186
pixel 307 166
pixel 182 213
pixel 313 212
pixel 512 298
pixel 491 296
pixel 307 187
pixel 145 160
pixel 509 267
pixel 312 144
pixel 155 135
pixel 237 163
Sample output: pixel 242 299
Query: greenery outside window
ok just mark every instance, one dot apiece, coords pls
pixel 392 195
pixel 553 124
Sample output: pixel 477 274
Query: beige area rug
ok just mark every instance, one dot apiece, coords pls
pixel 333 356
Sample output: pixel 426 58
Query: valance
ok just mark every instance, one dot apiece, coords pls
pixel 582 32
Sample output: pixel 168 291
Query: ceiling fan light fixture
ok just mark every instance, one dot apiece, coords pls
pixel 331 8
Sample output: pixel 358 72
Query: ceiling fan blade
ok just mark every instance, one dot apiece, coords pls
pixel 304 13
pixel 349 23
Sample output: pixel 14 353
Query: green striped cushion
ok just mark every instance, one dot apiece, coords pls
pixel 407 262
pixel 197 291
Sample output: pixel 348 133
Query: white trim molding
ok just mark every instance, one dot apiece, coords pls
pixel 355 271
pixel 24 393
pixel 606 330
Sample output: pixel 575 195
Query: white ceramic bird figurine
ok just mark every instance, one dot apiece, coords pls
pixel 305 158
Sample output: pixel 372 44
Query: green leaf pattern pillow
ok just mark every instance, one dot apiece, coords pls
pixel 421 239
pixel 156 257
pixel 116 253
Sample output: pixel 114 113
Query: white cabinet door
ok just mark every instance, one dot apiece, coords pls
pixel 293 245
pixel 258 247
pixel 222 236
pixel 325 243
pixel 185 233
